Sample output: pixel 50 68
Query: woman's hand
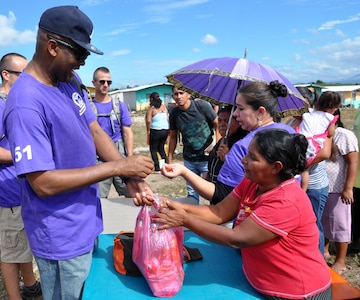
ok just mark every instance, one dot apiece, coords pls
pixel 347 196
pixel 222 151
pixel 171 214
pixel 173 170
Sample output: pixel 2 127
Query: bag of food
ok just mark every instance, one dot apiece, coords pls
pixel 158 253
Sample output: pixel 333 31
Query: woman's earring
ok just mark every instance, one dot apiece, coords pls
pixel 259 123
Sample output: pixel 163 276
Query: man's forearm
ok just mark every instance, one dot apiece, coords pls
pixel 5 156
pixel 128 137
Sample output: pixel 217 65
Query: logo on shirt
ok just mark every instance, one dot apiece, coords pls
pixel 79 102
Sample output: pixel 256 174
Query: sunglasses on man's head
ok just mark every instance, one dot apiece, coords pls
pixel 102 82
pixel 17 73
pixel 79 53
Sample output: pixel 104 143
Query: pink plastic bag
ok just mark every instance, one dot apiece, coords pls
pixel 158 254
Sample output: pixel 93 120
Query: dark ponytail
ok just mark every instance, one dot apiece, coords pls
pixel 280 145
pixel 258 94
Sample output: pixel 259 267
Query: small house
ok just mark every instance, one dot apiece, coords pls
pixel 137 98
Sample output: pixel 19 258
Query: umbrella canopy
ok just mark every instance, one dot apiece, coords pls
pixel 217 80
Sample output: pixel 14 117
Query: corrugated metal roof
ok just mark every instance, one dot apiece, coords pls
pixel 138 88
pixel 341 88
pixel 333 88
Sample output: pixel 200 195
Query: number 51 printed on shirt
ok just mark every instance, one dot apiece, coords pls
pixel 20 153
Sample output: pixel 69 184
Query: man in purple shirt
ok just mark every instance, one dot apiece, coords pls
pixel 114 117
pixel 15 251
pixel 54 139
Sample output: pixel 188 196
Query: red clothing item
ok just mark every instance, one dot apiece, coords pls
pixel 290 266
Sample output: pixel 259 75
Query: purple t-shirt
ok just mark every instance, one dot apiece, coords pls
pixel 110 124
pixel 48 129
pixel 232 171
pixel 9 185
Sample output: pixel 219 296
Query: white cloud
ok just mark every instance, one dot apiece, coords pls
pixel 302 41
pixel 10 36
pixel 93 2
pixel 169 6
pixel 297 56
pixel 330 24
pixel 340 33
pixel 313 31
pixel 120 52
pixel 162 11
pixel 209 39
pixel 124 28
pixel 330 63
pixel 196 50
pixel 156 12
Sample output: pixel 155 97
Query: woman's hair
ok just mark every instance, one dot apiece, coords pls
pixel 258 94
pixel 226 108
pixel 311 96
pixel 338 122
pixel 334 148
pixel 280 145
pixel 328 100
pixel 155 100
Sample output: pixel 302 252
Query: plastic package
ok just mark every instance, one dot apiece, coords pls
pixel 158 253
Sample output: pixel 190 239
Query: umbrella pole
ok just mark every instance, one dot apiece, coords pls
pixel 231 115
pixel 229 123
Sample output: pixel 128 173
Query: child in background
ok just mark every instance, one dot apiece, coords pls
pixel 341 170
pixel 317 125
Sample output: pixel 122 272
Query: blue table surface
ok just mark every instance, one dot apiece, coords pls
pixel 218 276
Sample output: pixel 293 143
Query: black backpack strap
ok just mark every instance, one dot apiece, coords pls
pixel 80 86
pixel 208 120
pixel 3 97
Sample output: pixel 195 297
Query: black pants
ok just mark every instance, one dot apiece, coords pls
pixel 157 144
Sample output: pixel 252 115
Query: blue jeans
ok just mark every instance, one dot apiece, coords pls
pixel 63 279
pixel 318 199
pixel 199 168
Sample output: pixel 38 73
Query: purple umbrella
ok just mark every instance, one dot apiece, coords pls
pixel 217 80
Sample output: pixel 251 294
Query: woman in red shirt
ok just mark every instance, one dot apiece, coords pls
pixel 275 225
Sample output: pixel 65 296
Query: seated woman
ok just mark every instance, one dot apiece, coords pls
pixel 222 147
pixel 256 110
pixel 275 225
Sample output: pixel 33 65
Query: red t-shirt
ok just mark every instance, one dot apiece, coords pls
pixel 290 266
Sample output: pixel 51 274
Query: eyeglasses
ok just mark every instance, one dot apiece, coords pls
pixel 80 54
pixel 17 73
pixel 109 82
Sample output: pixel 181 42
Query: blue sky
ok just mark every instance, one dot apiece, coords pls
pixel 144 40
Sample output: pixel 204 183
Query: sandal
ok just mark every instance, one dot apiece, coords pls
pixel 341 271
pixel 327 257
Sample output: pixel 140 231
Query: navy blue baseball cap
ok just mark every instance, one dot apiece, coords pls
pixel 70 22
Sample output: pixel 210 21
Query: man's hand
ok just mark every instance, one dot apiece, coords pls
pixel 140 190
pixel 136 166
